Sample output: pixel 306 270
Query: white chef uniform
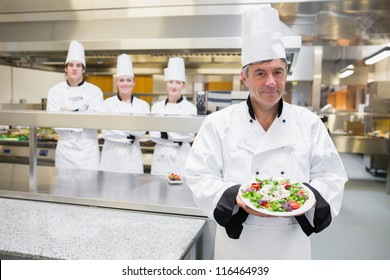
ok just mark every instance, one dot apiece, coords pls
pixel 231 147
pixel 76 148
pixel 121 150
pixel 171 150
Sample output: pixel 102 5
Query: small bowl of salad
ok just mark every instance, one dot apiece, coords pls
pixel 174 178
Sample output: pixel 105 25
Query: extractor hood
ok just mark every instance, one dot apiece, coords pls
pixel 206 33
pixel 207 36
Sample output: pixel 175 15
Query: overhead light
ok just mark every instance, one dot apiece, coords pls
pixel 348 71
pixel 382 54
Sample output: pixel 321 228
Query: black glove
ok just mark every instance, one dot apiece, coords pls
pixel 223 213
pixel 131 138
pixel 322 215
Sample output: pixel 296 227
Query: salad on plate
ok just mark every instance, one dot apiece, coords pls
pixel 277 197
pixel 174 178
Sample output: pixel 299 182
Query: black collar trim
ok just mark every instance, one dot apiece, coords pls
pixel 252 113
pixel 81 83
pixel 178 101
pixel 131 99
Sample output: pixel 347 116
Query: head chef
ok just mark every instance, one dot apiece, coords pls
pixel 263 59
pixel 75 64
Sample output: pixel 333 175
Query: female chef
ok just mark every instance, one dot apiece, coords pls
pixel 121 150
pixel 171 150
pixel 260 138
pixel 76 147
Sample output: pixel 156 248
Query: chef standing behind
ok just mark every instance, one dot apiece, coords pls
pixel 76 147
pixel 171 150
pixel 121 150
pixel 263 137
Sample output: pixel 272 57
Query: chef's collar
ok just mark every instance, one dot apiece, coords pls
pixel 131 98
pixel 252 113
pixel 82 82
pixel 178 101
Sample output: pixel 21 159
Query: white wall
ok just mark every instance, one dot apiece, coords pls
pixel 5 84
pixel 31 85
pixel 382 70
pixel 304 67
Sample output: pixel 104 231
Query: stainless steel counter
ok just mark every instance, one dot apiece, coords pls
pixel 364 145
pixel 361 144
pixel 143 192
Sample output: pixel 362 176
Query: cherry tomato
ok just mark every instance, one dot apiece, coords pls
pixel 255 185
pixel 264 203
pixel 286 185
pixel 294 205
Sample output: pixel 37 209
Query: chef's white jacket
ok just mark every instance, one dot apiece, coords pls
pixel 170 152
pixel 232 148
pixel 121 150
pixel 76 147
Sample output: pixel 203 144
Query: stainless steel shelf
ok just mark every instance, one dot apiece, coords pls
pixel 34 118
pixel 358 114
pixel 361 144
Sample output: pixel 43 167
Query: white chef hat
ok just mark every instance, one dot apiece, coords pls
pixel 76 53
pixel 175 70
pixel 261 35
pixel 124 66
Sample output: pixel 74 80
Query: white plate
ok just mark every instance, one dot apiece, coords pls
pixel 305 207
pixel 175 182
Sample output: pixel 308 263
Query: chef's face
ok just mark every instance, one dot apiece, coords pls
pixel 174 87
pixel 266 82
pixel 74 70
pixel 125 84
